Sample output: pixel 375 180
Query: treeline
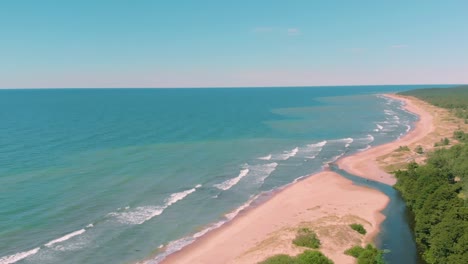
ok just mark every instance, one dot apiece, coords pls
pixel 434 194
pixel 455 99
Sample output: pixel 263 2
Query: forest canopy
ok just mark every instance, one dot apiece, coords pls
pixel 436 192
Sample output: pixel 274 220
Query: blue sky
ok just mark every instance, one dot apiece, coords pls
pixel 208 43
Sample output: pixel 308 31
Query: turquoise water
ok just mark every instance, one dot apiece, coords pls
pixel 112 175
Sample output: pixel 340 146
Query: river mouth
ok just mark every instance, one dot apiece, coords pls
pixel 395 236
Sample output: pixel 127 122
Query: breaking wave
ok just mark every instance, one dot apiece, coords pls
pixel 141 214
pixel 228 184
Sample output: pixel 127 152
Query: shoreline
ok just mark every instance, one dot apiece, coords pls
pixel 364 164
pixel 327 196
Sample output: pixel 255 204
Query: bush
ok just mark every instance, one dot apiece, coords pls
pixel 279 259
pixel 358 228
pixel 308 257
pixel 315 257
pixel 460 136
pixel 367 255
pixel 442 142
pixel 306 238
pixel 403 148
pixel 354 251
pixel 419 149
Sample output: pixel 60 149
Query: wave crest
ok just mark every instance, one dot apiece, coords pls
pixel 18 256
pixel 141 214
pixel 228 184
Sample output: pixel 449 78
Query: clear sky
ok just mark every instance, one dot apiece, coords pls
pixel 206 43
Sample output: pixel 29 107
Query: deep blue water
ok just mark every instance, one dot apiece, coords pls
pixel 110 175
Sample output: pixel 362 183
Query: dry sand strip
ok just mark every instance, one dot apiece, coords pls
pixel 364 164
pixel 325 202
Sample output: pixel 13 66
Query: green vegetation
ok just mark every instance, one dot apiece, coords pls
pixel 436 192
pixel 419 149
pixel 308 257
pixel 403 148
pixel 460 136
pixel 306 238
pixel 278 259
pixel 442 142
pixel 358 228
pixel 433 193
pixel 367 255
pixel 455 99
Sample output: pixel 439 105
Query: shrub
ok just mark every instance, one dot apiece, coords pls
pixel 403 148
pixel 314 257
pixel 306 238
pixel 358 228
pixel 442 142
pixel 367 255
pixel 354 251
pixel 419 149
pixel 279 259
pixel 308 257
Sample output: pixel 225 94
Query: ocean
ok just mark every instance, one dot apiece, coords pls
pixel 128 175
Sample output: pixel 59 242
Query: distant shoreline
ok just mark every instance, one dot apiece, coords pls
pixel 326 201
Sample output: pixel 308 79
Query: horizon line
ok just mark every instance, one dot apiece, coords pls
pixel 224 87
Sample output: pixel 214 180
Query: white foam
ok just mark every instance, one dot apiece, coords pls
pixel 408 128
pixel 234 213
pixel 18 256
pixel 348 142
pixel 366 148
pixel 318 145
pixel 178 244
pixel 299 178
pixel 228 184
pixel 266 157
pixel 175 197
pixel 65 237
pixel 261 172
pixel 288 154
pixel 89 226
pixel 141 214
pixel 335 158
pixel 379 127
pixel 313 149
pixel 366 140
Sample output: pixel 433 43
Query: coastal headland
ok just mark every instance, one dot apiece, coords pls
pixel 325 202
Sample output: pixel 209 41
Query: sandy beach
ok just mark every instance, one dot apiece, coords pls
pixel 325 202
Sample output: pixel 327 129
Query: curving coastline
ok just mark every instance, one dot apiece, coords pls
pixel 364 164
pixel 326 201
